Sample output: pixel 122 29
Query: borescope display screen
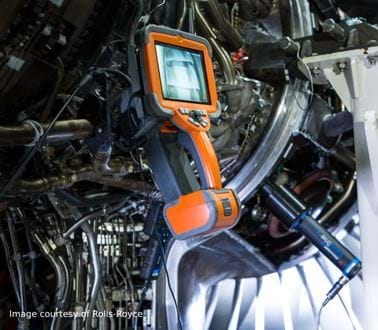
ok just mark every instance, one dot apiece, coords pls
pixel 182 74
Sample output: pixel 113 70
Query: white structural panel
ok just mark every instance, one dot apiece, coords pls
pixel 354 76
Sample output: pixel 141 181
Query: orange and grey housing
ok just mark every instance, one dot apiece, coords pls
pixel 192 207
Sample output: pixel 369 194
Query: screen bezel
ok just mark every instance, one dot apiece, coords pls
pixel 208 96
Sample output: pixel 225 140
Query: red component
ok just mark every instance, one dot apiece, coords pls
pixel 276 228
pixel 239 56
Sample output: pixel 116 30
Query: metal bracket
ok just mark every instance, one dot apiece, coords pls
pixel 353 74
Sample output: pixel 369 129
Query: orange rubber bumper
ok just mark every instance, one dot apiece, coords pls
pixel 202 212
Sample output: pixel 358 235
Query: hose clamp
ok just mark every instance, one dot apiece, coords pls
pixel 38 131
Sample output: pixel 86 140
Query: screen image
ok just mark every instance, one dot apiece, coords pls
pixel 182 74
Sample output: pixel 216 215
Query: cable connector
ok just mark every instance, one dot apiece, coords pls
pixel 336 288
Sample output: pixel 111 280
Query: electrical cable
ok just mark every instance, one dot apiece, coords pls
pixel 156 7
pixel 51 99
pixel 9 261
pixel 27 158
pixel 17 256
pixel 318 319
pixel 134 25
pixel 329 277
pixel 113 71
pixel 162 250
pixel 332 293
pixel 168 279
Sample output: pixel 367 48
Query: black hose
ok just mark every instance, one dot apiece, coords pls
pixel 9 261
pixel 112 71
pixel 19 264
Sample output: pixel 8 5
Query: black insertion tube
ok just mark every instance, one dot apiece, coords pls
pixel 150 259
pixel 153 253
pixel 293 212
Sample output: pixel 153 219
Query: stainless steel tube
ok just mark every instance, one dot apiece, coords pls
pixel 96 286
pixel 64 130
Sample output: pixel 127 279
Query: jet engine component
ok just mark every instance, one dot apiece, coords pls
pixel 135 139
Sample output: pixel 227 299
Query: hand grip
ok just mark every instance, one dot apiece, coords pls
pixel 170 164
pixel 200 147
pixel 189 209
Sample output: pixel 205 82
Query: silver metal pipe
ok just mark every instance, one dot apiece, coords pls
pixel 68 281
pixel 60 291
pixel 64 130
pixel 225 63
pixel 77 323
pixel 117 166
pixel 21 215
pixel 183 14
pixel 229 37
pixel 220 53
pixel 96 286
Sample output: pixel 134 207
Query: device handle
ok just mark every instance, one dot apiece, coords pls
pixel 198 144
pixel 190 208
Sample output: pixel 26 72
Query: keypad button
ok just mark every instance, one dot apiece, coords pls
pixel 193 114
pixel 192 121
pixel 204 123
pixel 183 111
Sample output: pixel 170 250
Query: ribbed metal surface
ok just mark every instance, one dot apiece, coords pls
pixel 287 300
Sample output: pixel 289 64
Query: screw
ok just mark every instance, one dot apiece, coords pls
pixel 342 66
pixel 372 60
pixel 316 72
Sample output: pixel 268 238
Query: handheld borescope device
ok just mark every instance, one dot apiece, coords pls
pixel 177 90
